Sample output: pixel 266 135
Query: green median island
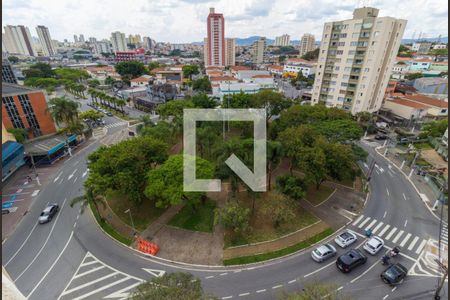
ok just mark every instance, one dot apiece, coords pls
pixel 197 218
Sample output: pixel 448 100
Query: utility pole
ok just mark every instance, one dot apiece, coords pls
pixel 441 281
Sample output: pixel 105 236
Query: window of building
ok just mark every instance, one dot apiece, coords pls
pixel 12 111
pixel 341 99
pixel 366 70
pixel 357 26
pixel 344 84
pixel 337 68
pixel 332 82
pixel 349 60
pixel 29 114
pixel 343 35
pixel 351 52
pixel 340 52
pixel 333 44
pixel 340 44
pixel 373 43
pixel 347 69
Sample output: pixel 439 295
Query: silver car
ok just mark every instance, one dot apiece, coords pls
pixel 48 213
pixel 374 245
pixel 345 239
pixel 323 252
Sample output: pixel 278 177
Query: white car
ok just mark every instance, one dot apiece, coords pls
pixel 323 252
pixel 374 245
pixel 345 239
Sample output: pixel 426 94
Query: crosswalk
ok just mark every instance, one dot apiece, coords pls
pixel 98 132
pixel 96 280
pixel 393 234
pixel 118 124
pixel 444 234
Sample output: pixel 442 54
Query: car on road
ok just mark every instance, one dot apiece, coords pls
pixel 109 114
pixel 323 252
pixel 350 260
pixel 374 245
pixel 345 239
pixel 394 274
pixel 380 137
pixel 48 213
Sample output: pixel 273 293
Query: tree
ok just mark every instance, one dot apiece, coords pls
pixel 123 167
pixel 233 217
pixel 273 102
pixel 434 129
pixel 312 161
pixel 312 55
pixel 130 69
pixel 202 100
pixel 153 65
pixel 109 81
pixel 239 100
pixel 39 70
pixel 90 115
pixel 161 131
pixel 439 52
pixel 339 130
pixel 13 59
pixel 171 286
pixel 339 160
pixel 291 186
pixel 274 156
pixel 165 183
pixel 93 83
pixel 174 109
pixel 413 76
pixel 202 85
pixel 19 134
pixel 63 110
pixel 189 70
pixel 279 209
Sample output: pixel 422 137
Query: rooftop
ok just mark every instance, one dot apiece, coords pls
pixel 432 80
pixel 11 89
pixel 408 103
pixel 240 68
pixel 223 78
pixel 300 60
pixel 427 100
pixel 262 76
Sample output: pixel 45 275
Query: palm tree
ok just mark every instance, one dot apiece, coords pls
pixel 63 110
pixel 81 89
pixel 121 103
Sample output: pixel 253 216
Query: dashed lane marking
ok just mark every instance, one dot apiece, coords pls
pixel 244 294
pixel 259 291
pixel 277 286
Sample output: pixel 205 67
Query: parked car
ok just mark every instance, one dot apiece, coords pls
pixel 109 114
pixel 374 245
pixel 380 137
pixel 350 260
pixel 394 274
pixel 345 239
pixel 323 252
pixel 48 213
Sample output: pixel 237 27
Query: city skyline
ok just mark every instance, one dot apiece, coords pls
pixel 182 21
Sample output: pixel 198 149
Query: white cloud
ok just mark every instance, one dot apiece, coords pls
pixel 185 20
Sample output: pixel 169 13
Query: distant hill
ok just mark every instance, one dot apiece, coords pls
pixel 443 40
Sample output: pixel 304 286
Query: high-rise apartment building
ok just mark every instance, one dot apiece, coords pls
pixel 102 47
pixel 283 40
pixel 45 40
pixel 307 44
pixel 205 51
pixel 148 43
pixel 118 42
pixel 216 39
pixel 81 40
pixel 75 38
pixel 258 49
pixel 230 52
pixel 18 40
pixel 356 59
pixel 92 40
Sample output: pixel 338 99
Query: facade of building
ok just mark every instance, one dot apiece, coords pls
pixel 101 47
pixel 148 43
pixel 230 52
pixel 295 65
pixel 75 38
pixel 45 40
pixel 283 40
pixel 118 42
pixel 81 39
pixel 216 39
pixel 18 40
pixel 7 72
pixel 431 85
pixel 26 108
pixel 257 50
pixel 236 88
pixel 415 107
pixel 307 44
pixel 140 81
pixel 422 47
pixel 440 46
pixel 138 54
pixel 356 60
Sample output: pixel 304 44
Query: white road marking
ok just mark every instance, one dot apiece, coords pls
pixel 387 191
pixel 377 172
pixel 406 222
pixel 45 243
pixel 377 227
pixel 365 272
pixel 59 175
pixel 398 236
pixel 71 175
pixel 51 267
pixel 101 288
pixel 244 294
pixel 21 246
pixel 88 272
pixel 223 274
pixel 88 263
pixel 404 196
pixel 259 291
pixel 419 249
pixel 391 233
pixel 403 243
pixel 228 297
pixel 385 213
pixel 81 286
pixel 277 286
pixel 414 241
pixel 358 219
pixel 120 293
pixel 75 179
pixel 366 166
pixel 292 281
pixel 371 224
pixel 385 296
pixel 19 191
pixel 209 277
pixel 394 289
pixel 340 288
pixel 35 193
pixel 84 174
pixel 320 269
pixel 156 273
pixel 364 222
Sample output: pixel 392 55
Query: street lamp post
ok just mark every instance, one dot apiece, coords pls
pixel 131 218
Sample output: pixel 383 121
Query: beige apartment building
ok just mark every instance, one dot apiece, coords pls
pixel 283 40
pixel 307 44
pixel 356 60
pixel 230 52
pixel 258 49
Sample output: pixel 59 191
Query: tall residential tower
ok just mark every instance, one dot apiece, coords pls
pixel 18 40
pixel 307 44
pixel 216 39
pixel 230 52
pixel 283 40
pixel 45 40
pixel 356 59
pixel 118 41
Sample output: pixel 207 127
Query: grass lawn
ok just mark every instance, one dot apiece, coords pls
pixel 346 182
pixel 270 255
pixel 423 146
pixel 142 216
pixel 200 220
pixel 262 227
pixel 316 197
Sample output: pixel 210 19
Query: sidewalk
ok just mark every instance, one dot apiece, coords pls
pixel 427 194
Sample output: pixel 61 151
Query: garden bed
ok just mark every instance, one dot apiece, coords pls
pixel 200 219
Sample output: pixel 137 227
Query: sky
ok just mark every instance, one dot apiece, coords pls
pixel 183 21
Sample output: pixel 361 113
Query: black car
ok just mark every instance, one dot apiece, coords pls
pixel 109 114
pixel 394 274
pixel 350 260
pixel 380 137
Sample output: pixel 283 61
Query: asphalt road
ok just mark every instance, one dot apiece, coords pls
pixel 71 258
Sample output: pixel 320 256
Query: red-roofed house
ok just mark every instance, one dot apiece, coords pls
pixel 140 81
pixel 216 81
pixel 275 69
pixel 415 106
